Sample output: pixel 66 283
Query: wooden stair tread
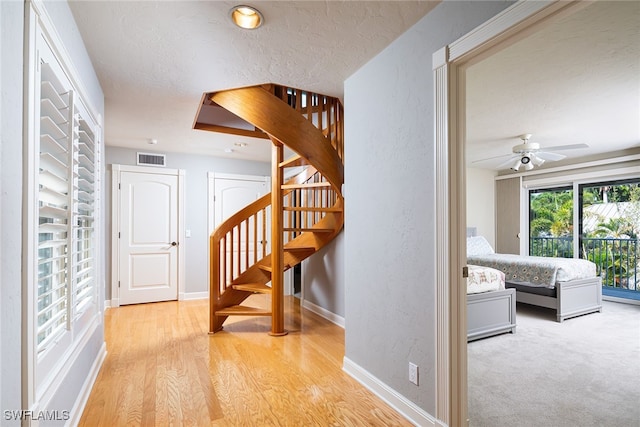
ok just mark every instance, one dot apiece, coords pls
pixel 311 230
pixel 253 287
pixel 294 161
pixel 300 248
pixel 306 185
pixel 269 269
pixel 310 209
pixel 243 310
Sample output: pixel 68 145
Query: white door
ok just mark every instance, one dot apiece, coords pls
pixel 148 239
pixel 231 193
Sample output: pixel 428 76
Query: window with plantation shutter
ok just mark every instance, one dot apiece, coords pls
pixel 64 187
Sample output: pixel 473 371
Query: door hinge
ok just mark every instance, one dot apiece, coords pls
pixel 119 186
pixel 118 234
pixel 465 272
pixel 118 283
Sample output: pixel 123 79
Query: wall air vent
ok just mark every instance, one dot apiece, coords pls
pixel 148 159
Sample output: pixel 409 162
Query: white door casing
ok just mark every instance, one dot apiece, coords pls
pixel 147 225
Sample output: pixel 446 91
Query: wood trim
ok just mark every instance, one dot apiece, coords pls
pixel 443 356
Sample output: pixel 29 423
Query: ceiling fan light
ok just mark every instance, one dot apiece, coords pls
pixel 528 166
pixel 525 159
pixel 516 165
pixel 537 161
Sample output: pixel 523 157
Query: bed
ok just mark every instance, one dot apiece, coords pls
pixel 491 308
pixel 571 287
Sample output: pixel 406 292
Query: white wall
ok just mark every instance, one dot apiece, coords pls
pixel 196 168
pixel 481 202
pixel 11 78
pixel 390 195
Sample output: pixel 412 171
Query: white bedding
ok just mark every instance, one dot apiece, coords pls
pixel 484 279
pixel 529 270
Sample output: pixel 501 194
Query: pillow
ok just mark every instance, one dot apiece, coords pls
pixel 478 245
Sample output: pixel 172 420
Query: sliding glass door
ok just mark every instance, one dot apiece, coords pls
pixel 609 229
pixel 551 222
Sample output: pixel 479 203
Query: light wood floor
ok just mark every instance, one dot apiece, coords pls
pixel 162 368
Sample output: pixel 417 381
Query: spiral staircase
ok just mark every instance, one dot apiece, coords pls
pixel 251 250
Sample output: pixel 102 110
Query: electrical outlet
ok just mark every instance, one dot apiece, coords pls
pixel 413 373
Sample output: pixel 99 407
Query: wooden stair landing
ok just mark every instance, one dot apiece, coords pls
pixel 243 310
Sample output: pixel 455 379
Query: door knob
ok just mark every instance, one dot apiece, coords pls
pixel 174 243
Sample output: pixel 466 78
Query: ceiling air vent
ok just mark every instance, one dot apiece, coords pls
pixel 148 159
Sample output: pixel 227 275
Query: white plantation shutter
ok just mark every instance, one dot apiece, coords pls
pixel 55 208
pixel 67 200
pixel 84 255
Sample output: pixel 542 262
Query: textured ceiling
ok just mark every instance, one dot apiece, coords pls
pixel 155 59
pixel 575 81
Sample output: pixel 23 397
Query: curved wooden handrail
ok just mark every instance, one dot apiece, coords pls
pixel 256 105
pixel 257 205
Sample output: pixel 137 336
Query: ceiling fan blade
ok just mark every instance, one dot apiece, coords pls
pixel 566 147
pixel 552 157
pixel 507 162
pixel 491 158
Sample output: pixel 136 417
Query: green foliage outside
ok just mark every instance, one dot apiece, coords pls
pixel 612 244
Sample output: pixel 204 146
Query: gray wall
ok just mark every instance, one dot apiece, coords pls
pixel 11 36
pixel 323 277
pixel 196 168
pixel 389 179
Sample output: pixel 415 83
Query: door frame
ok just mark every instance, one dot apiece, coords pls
pixel 116 179
pixel 449 65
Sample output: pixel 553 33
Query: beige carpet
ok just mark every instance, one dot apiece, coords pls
pixel 582 372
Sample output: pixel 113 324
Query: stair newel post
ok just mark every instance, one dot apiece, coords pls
pixel 277 243
pixel 214 281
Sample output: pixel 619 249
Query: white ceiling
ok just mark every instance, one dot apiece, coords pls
pixel 155 59
pixel 575 81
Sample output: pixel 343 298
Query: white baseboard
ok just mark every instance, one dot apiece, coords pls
pixel 194 295
pixel 323 312
pixel 85 391
pixel 404 406
pixel 620 300
pixel 107 304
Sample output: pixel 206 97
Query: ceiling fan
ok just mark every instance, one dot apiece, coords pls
pixel 530 154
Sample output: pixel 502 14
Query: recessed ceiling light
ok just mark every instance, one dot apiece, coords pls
pixel 246 17
pixel 240 144
pixel 152 141
pixel 228 150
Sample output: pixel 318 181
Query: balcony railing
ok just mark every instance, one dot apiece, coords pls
pixel 616 259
